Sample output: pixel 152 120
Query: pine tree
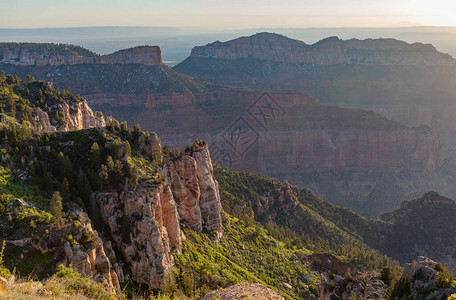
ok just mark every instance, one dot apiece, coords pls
pixel 56 208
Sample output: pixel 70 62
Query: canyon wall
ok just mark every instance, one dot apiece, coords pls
pixel 352 157
pixel 25 55
pixel 278 48
pixel 409 83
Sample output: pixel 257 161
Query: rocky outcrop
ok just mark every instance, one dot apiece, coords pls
pixel 144 221
pixel 150 145
pixel 53 110
pixel 91 262
pixel 29 54
pixel 421 280
pixel 278 48
pixel 186 191
pixel 210 198
pixel 243 291
pixel 144 225
pixel 265 207
pixel 76 242
pixel 420 274
pixel 360 285
pixel 196 190
pixel 78 115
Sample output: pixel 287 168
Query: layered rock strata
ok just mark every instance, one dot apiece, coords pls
pixel 278 48
pixel 144 225
pixel 38 55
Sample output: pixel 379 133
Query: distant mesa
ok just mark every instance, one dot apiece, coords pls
pixel 278 48
pixel 42 54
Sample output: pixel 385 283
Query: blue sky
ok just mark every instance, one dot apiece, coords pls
pixel 218 13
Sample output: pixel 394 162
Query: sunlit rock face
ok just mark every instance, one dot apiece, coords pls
pixel 144 225
pixel 92 262
pixel 145 221
pixel 196 190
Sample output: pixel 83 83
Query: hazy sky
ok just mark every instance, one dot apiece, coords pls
pixel 224 13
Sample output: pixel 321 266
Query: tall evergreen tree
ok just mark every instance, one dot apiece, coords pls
pixel 56 208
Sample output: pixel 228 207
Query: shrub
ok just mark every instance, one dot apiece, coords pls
pixel 4 272
pixel 67 281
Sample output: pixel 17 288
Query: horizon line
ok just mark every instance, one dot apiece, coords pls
pixel 223 27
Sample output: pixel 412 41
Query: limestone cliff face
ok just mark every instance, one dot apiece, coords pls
pixel 437 116
pixel 79 116
pixel 76 116
pixel 196 190
pixel 28 55
pixel 210 198
pixel 145 227
pixel 351 149
pixel 278 48
pixel 186 191
pixel 144 221
pixel 91 262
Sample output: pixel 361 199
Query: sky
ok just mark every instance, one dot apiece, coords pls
pixel 225 13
